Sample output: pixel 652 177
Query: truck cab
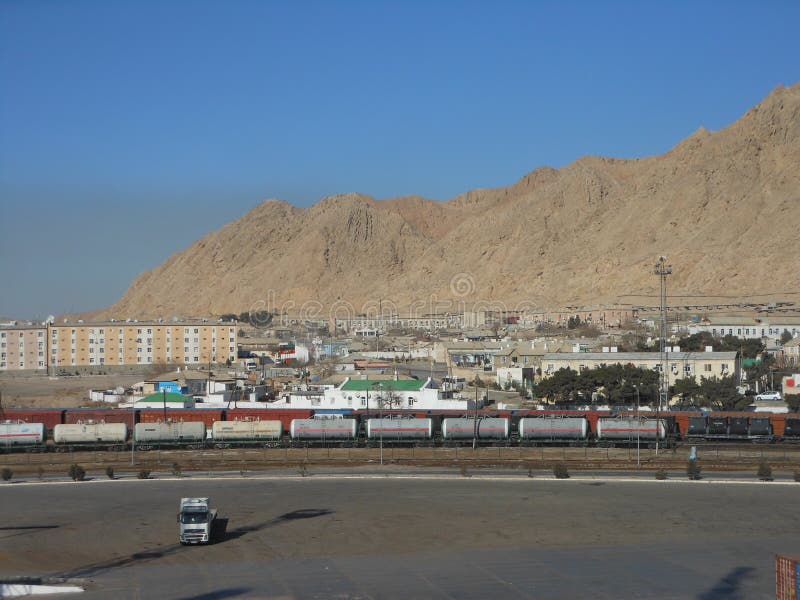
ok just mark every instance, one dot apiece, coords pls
pixel 195 521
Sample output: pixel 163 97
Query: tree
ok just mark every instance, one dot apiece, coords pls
pixel 760 369
pixel 573 322
pixel 721 393
pixel 785 337
pixel 561 387
pixel 793 402
pixel 687 388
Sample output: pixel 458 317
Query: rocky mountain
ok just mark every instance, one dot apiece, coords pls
pixel 724 207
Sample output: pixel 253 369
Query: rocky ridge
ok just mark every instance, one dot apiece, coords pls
pixel 724 207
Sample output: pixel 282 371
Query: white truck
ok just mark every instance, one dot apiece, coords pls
pixel 195 521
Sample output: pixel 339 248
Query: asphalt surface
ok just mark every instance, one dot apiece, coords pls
pixel 334 537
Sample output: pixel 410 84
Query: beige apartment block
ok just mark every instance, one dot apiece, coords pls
pixel 23 347
pixel 129 343
pixel 680 365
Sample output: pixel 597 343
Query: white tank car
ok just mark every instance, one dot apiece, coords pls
pixel 495 428
pixel 90 433
pixel 399 429
pixel 178 431
pixel 323 429
pixel 246 430
pixel 14 433
pixel 553 428
pixel 629 429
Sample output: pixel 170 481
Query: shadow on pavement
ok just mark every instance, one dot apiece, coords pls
pixel 217 595
pixel 219 534
pixel 729 587
pixel 305 513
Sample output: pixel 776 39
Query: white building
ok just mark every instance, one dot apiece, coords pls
pixel 760 328
pixel 372 394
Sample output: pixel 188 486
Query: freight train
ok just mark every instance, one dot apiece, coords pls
pixel 117 429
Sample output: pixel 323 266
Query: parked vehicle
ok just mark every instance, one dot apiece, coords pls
pixel 195 521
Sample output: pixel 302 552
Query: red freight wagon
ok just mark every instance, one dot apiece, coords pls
pixel 206 415
pixel 105 415
pixel 50 417
pixel 285 416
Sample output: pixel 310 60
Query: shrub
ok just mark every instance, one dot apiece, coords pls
pixel 560 471
pixel 797 476
pixel 764 471
pixel 77 472
pixel 110 472
pixel 7 474
pixel 176 469
pixel 661 474
pixel 693 469
pixel 143 474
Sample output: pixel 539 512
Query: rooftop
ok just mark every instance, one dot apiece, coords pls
pixel 392 385
pixel 633 356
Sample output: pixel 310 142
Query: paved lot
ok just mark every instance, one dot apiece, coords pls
pixel 406 538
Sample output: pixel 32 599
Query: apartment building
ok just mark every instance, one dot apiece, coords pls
pixel 769 328
pixel 140 343
pixel 680 365
pixel 23 347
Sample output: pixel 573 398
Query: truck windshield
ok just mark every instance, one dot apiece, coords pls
pixel 193 517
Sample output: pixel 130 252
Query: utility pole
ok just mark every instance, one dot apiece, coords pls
pixel 662 269
pixel 475 422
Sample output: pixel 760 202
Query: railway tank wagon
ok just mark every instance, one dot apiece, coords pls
pixel 399 430
pixel 323 430
pixel 630 430
pixel 241 433
pixel 21 435
pixel 112 436
pixel 549 430
pixel 455 429
pixel 170 434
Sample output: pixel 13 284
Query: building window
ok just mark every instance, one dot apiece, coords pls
pixel 707 368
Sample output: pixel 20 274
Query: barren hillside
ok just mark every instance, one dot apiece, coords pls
pixel 723 206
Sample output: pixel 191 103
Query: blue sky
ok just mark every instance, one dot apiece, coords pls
pixel 140 126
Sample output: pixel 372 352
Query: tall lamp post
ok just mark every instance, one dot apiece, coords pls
pixel 639 428
pixel 662 269
pixel 379 386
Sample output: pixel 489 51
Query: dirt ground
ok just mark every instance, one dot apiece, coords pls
pixel 59 392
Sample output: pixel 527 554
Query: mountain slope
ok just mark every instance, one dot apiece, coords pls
pixel 723 206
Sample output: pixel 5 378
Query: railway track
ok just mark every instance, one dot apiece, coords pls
pixel 720 457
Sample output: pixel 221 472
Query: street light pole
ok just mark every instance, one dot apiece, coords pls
pixel 662 269
pixel 638 429
pixel 133 431
pixel 380 387
pixel 475 424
